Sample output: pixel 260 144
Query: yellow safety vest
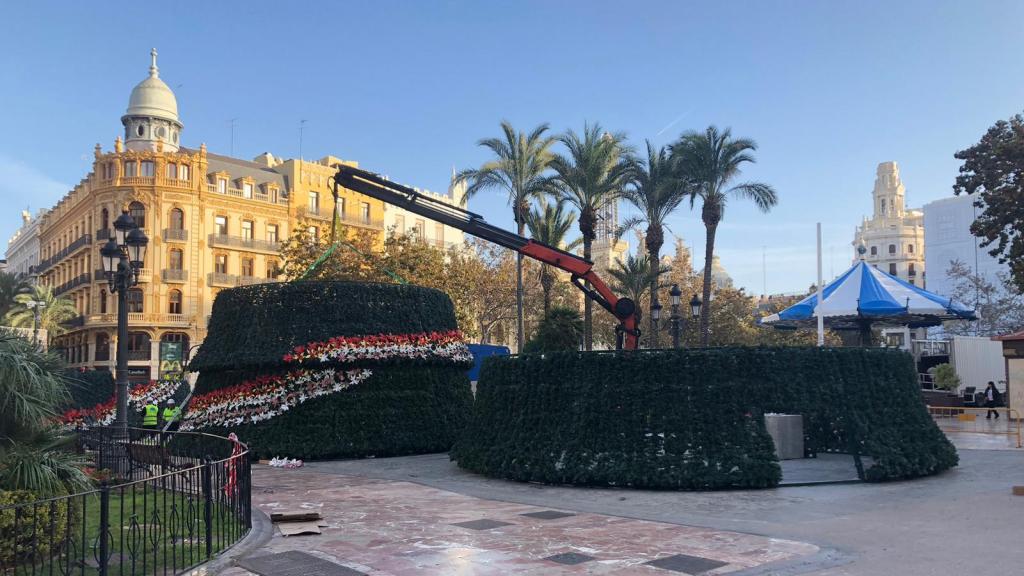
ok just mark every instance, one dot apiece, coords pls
pixel 150 417
pixel 172 414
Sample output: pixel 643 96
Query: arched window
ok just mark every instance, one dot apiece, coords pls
pixel 138 346
pixel 874 250
pixel 892 248
pixel 102 346
pixel 177 219
pixel 910 248
pixel 103 301
pixel 138 213
pixel 883 205
pixel 135 300
pixel 177 259
pixel 174 302
pixel 104 219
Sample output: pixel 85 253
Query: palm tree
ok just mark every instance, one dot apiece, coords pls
pixel 656 190
pixel 634 278
pixel 10 286
pixel 31 392
pixel 549 223
pixel 588 178
pixel 709 161
pixel 518 167
pixel 55 312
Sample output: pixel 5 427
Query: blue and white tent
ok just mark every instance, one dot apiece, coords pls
pixel 866 295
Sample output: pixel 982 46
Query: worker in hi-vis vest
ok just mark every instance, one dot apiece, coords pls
pixel 150 415
pixel 172 416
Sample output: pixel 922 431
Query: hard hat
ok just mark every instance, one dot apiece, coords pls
pixel 171 401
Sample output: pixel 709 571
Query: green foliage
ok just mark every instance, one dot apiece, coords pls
pixel 55 312
pixel 88 388
pixel 691 419
pixel 26 543
pixel 10 286
pixel 945 377
pixel 403 408
pixel 560 330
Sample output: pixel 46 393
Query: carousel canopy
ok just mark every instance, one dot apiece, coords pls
pixel 866 294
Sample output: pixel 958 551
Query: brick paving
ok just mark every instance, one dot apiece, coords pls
pixel 383 527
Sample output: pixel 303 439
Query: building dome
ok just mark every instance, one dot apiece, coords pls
pixel 152 113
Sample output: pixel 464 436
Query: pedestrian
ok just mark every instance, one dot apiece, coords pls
pixel 150 416
pixel 172 416
pixel 993 399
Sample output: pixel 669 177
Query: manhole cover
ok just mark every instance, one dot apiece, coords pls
pixel 485 524
pixel 548 514
pixel 570 558
pixel 686 563
pixel 295 563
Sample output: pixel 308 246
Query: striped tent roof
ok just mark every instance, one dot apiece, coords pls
pixel 866 293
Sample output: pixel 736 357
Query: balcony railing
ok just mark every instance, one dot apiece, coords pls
pixel 174 275
pixel 76 322
pixel 83 240
pixel 244 243
pixel 256 194
pixel 141 318
pixel 103 234
pixel 231 280
pixel 73 283
pixel 139 354
pixel 175 234
pixel 343 218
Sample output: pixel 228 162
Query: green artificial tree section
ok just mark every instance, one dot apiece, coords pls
pixel 694 419
pixel 405 407
pixel 89 388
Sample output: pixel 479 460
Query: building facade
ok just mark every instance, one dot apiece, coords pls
pixel 947 234
pixel 213 222
pixel 398 221
pixel 23 248
pixel 894 235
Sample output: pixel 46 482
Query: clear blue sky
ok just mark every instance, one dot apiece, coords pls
pixel 827 89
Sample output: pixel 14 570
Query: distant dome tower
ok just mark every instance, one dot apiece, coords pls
pixel 152 114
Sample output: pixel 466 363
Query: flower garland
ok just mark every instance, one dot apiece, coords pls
pixel 266 397
pixel 443 346
pixel 103 414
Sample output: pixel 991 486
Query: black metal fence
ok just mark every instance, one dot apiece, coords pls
pixel 173 500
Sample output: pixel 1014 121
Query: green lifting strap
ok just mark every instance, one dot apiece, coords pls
pixel 327 253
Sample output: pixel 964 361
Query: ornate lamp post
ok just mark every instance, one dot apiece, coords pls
pixel 36 306
pixel 122 257
pixel 675 293
pixel 695 305
pixel 656 317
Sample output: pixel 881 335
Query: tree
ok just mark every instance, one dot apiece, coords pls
pixel 634 278
pixel 994 170
pixel 31 391
pixel 56 310
pixel 10 286
pixel 550 223
pixel 710 161
pixel 352 259
pixel 656 190
pixel 518 167
pixel 944 376
pixel 590 176
pixel 560 330
pixel 999 305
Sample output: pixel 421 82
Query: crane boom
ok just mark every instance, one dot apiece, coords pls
pixel 581 270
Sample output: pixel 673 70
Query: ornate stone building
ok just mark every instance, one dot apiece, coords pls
pixel 23 247
pixel 894 235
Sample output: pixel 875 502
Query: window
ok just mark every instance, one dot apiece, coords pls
pixel 439 234
pixel 176 260
pixel 892 248
pixel 399 224
pixel 273 195
pixel 272 233
pixel 314 233
pixel 108 170
pixel 314 202
pixel 104 219
pixel 103 301
pixel 418 230
pixel 146 168
pixel 138 213
pixel 171 171
pixel 883 205
pixel 177 337
pixel 247 190
pixel 174 302
pixel 910 248
pixel 138 342
pixel 177 219
pixel 129 168
pixel 247 267
pixel 272 269
pixel 340 208
pixel 222 185
pixel 135 300
pixel 874 250
pixel 364 211
pixel 220 264
pixel 892 268
pixel 102 346
pixel 182 171
pixel 220 225
pixel 247 229
pixel 910 270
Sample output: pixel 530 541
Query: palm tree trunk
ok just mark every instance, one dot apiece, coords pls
pixel 709 256
pixel 520 326
pixel 654 255
pixel 588 304
pixel 546 283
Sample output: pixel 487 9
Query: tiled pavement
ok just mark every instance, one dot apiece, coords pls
pixel 380 527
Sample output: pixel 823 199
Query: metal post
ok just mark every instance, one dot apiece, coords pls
pixel 122 282
pixel 104 529
pixel 35 323
pixel 675 326
pixel 208 504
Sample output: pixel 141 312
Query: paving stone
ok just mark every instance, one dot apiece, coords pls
pixel 548 514
pixel 686 564
pixel 295 563
pixel 570 558
pixel 485 524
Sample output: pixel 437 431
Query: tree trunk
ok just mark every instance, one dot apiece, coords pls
pixel 711 225
pixel 520 327
pixel 547 282
pixel 654 240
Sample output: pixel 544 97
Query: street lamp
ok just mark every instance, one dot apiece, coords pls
pixel 122 258
pixel 36 306
pixel 675 293
pixel 655 317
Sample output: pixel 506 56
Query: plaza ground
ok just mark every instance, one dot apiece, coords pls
pixel 402 516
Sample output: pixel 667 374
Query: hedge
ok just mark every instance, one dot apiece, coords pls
pixel 22 529
pixel 404 407
pixel 89 388
pixel 693 419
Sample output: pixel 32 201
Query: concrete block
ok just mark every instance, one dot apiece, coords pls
pixel 787 431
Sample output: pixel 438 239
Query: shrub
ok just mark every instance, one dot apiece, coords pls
pixel 560 330
pixel 692 419
pixel 20 526
pixel 945 377
pixel 88 388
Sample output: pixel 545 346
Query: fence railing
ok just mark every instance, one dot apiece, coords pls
pixel 174 500
pixel 969 420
